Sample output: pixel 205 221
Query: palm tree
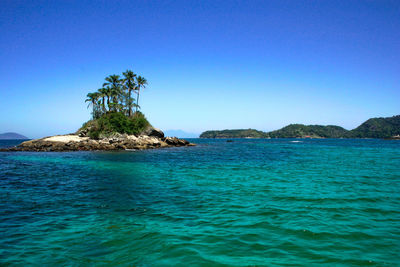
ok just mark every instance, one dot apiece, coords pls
pixel 112 80
pixel 141 82
pixel 103 95
pixel 92 99
pixel 114 83
pixel 114 93
pixel 129 83
pixel 118 93
pixel 108 94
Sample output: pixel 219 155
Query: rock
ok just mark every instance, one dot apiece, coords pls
pixel 132 137
pixel 151 131
pixel 74 142
pixel 119 146
pixel 174 141
pixel 395 137
pixel 83 133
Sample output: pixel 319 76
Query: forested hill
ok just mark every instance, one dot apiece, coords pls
pixel 372 128
pixel 313 131
pixel 238 133
pixel 377 128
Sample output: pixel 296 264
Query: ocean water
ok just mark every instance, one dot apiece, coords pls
pixel 250 202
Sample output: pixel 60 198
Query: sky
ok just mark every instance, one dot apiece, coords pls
pixel 209 64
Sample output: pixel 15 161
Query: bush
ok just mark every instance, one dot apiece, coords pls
pixel 139 122
pixel 116 122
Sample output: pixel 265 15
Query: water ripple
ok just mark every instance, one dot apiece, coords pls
pixel 246 203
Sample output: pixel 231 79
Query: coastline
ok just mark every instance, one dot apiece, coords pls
pixel 74 142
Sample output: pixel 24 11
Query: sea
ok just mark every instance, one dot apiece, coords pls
pixel 249 202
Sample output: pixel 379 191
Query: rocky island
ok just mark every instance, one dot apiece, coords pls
pixel 153 138
pixel 114 124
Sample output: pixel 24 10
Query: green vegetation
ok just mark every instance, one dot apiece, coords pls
pixel 377 128
pixel 312 131
pixel 372 128
pixel 112 107
pixel 115 122
pixel 240 133
pixel 118 92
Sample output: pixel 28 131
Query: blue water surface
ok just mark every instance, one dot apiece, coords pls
pixel 250 202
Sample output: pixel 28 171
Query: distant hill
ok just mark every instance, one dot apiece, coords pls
pixel 239 133
pixel 4 136
pixel 377 128
pixel 313 131
pixel 372 128
pixel 180 134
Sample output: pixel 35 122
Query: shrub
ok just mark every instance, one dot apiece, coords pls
pixel 116 122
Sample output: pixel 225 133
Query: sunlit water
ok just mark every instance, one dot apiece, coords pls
pixel 247 202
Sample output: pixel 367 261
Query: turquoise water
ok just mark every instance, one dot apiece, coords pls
pixel 249 202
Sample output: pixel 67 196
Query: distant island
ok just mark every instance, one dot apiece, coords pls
pixel 116 124
pixel 388 128
pixel 238 133
pixel 181 134
pixel 12 136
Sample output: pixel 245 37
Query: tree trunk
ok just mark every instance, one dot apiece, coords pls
pixel 93 108
pixel 130 103
pixel 137 102
pixel 108 102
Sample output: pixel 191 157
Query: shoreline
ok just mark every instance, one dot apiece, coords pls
pixel 273 138
pixel 117 142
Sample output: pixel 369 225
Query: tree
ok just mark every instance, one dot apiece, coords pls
pixel 141 82
pixel 92 98
pixel 130 85
pixel 118 92
pixel 108 94
pixel 114 82
pixel 103 93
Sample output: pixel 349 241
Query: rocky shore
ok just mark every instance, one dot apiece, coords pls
pixel 152 138
pixel 396 137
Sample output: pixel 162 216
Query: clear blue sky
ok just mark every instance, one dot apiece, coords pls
pixel 210 64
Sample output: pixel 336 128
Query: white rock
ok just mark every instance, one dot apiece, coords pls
pixel 66 138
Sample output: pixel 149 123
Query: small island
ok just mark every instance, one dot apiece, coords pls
pixel 12 136
pixel 236 133
pixel 116 124
pixel 383 128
